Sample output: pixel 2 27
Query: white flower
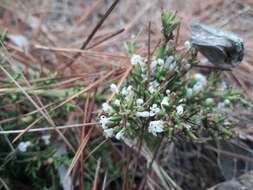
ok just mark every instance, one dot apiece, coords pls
pixel 200 83
pixel 120 134
pixel 227 102
pixel 142 114
pixel 170 63
pixel 154 110
pixel 155 127
pixel 152 86
pixel 22 146
pixel 187 66
pixel 209 101
pixel 46 138
pixel 106 108
pixel 198 87
pixel 114 88
pixel 153 65
pixel 169 60
pixel 165 101
pixel 104 121
pixel 139 102
pixel 117 102
pixel 172 66
pixel 108 133
pixel 127 92
pixel 200 78
pixel 168 92
pixel 187 45
pixel 160 62
pixel 189 92
pixel 136 59
pixel 188 127
pixel 180 109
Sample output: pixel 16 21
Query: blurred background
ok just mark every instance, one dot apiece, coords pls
pixel 45 37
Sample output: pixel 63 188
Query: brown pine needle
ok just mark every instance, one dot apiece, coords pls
pixel 93 32
pixel 66 101
pixel 79 151
pixel 47 128
pixel 96 175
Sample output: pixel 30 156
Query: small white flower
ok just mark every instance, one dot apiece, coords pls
pixel 127 92
pixel 198 87
pixel 106 108
pixel 46 138
pixel 189 92
pixel 200 83
pixel 168 92
pixel 187 66
pixel 180 109
pixel 124 91
pixel 187 45
pixel 117 102
pixel 181 100
pixel 104 121
pixel 114 88
pixel 152 86
pixel 139 102
pixel 22 146
pixel 209 101
pixel 200 78
pixel 142 114
pixel 120 134
pixel 154 110
pixel 165 101
pixel 156 127
pixel 169 60
pixel 136 59
pixel 160 62
pixel 172 66
pixel 108 133
pixel 227 102
pixel 188 127
pixel 153 65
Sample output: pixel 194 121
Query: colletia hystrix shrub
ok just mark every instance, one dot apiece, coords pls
pixel 160 98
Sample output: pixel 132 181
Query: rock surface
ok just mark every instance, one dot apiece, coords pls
pixel 244 182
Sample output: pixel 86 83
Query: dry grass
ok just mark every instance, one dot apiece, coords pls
pixel 74 39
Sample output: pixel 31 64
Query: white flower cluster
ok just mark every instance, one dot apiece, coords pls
pixel 169 64
pixel 127 92
pixel 107 108
pixel 180 109
pixel 110 132
pixel 145 100
pixel 154 110
pixel 199 86
pixel 137 59
pixel 187 45
pixel 152 86
pixel 156 127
